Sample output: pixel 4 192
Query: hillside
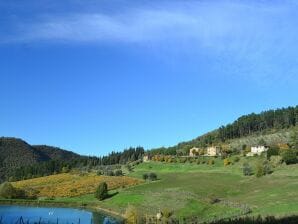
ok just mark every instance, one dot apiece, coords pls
pixel 273 126
pixel 15 153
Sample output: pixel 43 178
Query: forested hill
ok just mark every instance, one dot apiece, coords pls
pixel 270 121
pixel 20 160
pixel 15 153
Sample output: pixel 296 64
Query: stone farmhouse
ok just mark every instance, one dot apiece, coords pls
pixel 213 151
pixel 194 152
pixel 146 158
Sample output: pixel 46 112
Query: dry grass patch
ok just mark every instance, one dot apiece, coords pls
pixel 70 185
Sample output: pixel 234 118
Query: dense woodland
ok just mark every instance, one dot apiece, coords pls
pixel 82 163
pixel 243 126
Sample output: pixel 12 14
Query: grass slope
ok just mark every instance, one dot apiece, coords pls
pixel 187 188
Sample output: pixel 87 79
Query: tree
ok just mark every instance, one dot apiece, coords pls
pixel 145 176
pixel 101 192
pixel 247 169
pixel 267 167
pixel 289 156
pixel 118 173
pixel 132 215
pixel 262 142
pixel 272 151
pixel 152 176
pixel 294 139
pixel 227 162
pixel 9 192
pixel 259 170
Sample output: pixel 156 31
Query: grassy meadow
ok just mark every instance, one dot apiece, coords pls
pixel 185 189
pixel 188 189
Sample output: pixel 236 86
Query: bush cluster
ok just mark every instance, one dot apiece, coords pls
pixel 150 176
pixel 8 191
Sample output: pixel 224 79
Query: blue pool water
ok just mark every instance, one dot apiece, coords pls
pixel 31 215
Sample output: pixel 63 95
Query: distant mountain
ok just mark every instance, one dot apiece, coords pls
pixel 15 153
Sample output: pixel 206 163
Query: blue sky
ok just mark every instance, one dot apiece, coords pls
pixel 96 76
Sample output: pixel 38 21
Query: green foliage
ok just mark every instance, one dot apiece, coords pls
pixel 145 176
pixel 236 159
pixel 42 160
pixel 259 170
pixel 272 151
pixel 247 169
pixel 276 161
pixel 262 142
pixel 101 192
pixel 227 162
pixel 133 215
pixel 149 176
pixel 242 127
pixel 267 167
pixel 9 192
pixel 211 162
pixel 152 176
pixel 263 168
pixel 109 173
pixel 118 173
pixel 289 156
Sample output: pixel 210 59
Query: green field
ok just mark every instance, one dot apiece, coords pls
pixel 186 189
pixel 189 190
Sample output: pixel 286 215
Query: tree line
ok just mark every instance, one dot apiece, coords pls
pixel 243 126
pixel 85 163
pixel 252 123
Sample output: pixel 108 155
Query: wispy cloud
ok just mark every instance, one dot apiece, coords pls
pixel 207 23
pixel 259 36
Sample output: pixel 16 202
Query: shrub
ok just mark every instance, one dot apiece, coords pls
pixel 145 176
pixel 166 213
pixel 236 159
pixel 259 170
pixel 101 192
pixel 272 151
pixel 65 169
pixel 99 173
pixel 289 156
pixel 152 176
pixel 227 162
pixel 267 167
pixel 10 192
pixel 109 173
pixel 183 160
pixel 211 162
pixel 212 199
pixel 276 161
pixel 118 173
pixel 132 215
pixel 247 169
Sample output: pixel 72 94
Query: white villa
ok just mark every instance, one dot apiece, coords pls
pixel 257 150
